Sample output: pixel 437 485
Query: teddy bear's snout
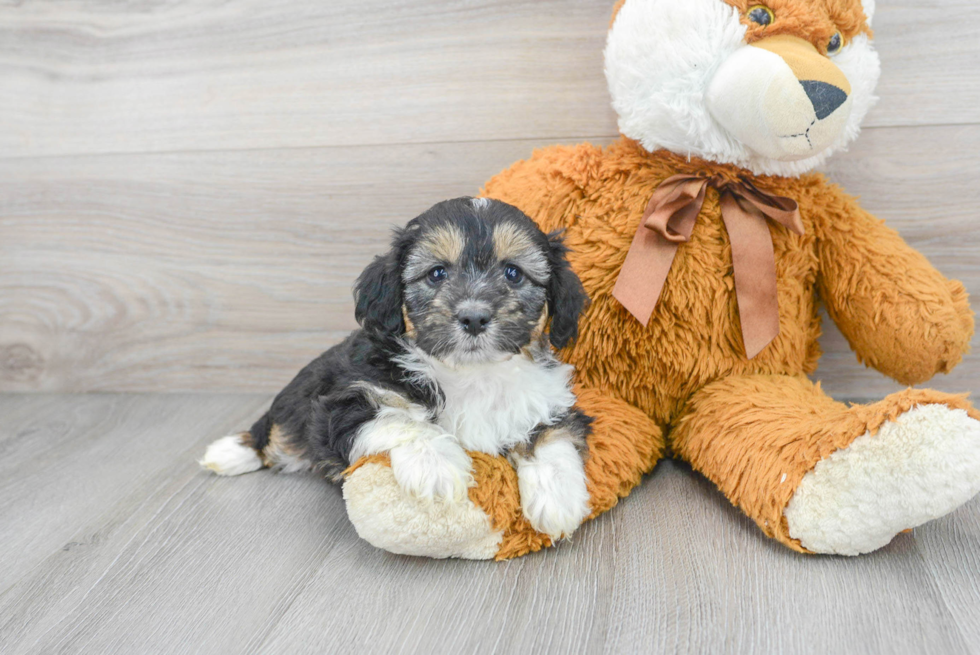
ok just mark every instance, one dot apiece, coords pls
pixel 782 98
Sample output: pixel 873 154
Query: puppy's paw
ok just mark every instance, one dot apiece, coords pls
pixel 231 456
pixel 554 495
pixel 433 468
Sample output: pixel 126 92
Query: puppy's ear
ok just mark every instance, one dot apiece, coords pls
pixel 566 295
pixel 378 296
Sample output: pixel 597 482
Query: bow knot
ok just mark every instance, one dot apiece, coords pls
pixel 669 221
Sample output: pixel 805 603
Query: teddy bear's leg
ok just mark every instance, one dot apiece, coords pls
pixel 490 524
pixel 823 477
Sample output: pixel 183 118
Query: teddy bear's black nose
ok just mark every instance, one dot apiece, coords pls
pixel 474 321
pixel 826 98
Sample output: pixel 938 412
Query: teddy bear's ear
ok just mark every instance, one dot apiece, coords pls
pixel 869 10
pixel 566 295
pixel 619 5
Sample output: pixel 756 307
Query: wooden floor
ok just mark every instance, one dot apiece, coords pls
pixel 113 541
pixel 188 190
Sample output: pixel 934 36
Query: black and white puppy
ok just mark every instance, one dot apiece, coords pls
pixel 454 353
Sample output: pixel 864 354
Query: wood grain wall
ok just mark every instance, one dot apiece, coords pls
pixel 189 188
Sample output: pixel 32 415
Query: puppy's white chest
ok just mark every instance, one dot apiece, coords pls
pixel 493 407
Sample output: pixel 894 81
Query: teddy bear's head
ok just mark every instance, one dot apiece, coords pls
pixel 775 88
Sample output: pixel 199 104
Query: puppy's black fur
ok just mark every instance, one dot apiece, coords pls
pixel 320 411
pixel 398 305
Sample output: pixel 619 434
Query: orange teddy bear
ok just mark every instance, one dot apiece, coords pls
pixel 705 243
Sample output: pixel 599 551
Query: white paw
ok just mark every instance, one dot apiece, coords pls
pixel 229 456
pixel 554 495
pixel 433 468
pixel 915 469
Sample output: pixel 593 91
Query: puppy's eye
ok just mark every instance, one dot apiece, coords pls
pixel 513 274
pixel 836 42
pixel 438 275
pixel 761 15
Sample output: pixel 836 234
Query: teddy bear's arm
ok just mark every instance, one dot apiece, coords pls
pixel 548 186
pixel 624 444
pixel 899 314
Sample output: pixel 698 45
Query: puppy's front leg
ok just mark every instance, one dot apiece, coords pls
pixel 426 461
pixel 551 476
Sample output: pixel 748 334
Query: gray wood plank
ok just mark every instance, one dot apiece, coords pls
pixel 83 77
pixel 693 575
pixel 202 568
pixel 104 544
pixel 136 77
pixel 71 459
pixel 553 601
pixel 202 271
pixel 265 563
pixel 16 409
pixel 950 548
pixel 229 271
pixel 922 68
pixel 64 579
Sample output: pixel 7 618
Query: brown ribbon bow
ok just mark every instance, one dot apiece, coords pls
pixel 669 221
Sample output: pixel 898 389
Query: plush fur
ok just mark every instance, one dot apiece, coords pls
pixel 455 352
pixel 759 429
pixel 380 510
pixel 917 468
pixel 662 57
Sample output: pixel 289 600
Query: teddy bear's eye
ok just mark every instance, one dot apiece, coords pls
pixel 761 14
pixel 836 41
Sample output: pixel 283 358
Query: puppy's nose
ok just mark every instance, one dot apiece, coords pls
pixel 474 320
pixel 826 98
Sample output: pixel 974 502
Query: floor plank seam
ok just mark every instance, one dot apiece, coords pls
pixel 549 139
pixel 312 148
pixel 941 595
pixel 293 595
pixel 194 480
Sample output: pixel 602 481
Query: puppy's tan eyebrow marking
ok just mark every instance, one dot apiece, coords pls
pixel 445 243
pixel 512 244
pixel 442 245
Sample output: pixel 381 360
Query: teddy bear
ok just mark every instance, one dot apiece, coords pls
pixel 706 242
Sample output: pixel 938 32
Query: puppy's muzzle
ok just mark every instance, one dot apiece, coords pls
pixel 474 320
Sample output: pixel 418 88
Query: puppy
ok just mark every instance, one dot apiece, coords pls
pixel 454 353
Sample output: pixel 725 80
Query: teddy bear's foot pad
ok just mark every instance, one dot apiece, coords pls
pixel 917 468
pixel 387 517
